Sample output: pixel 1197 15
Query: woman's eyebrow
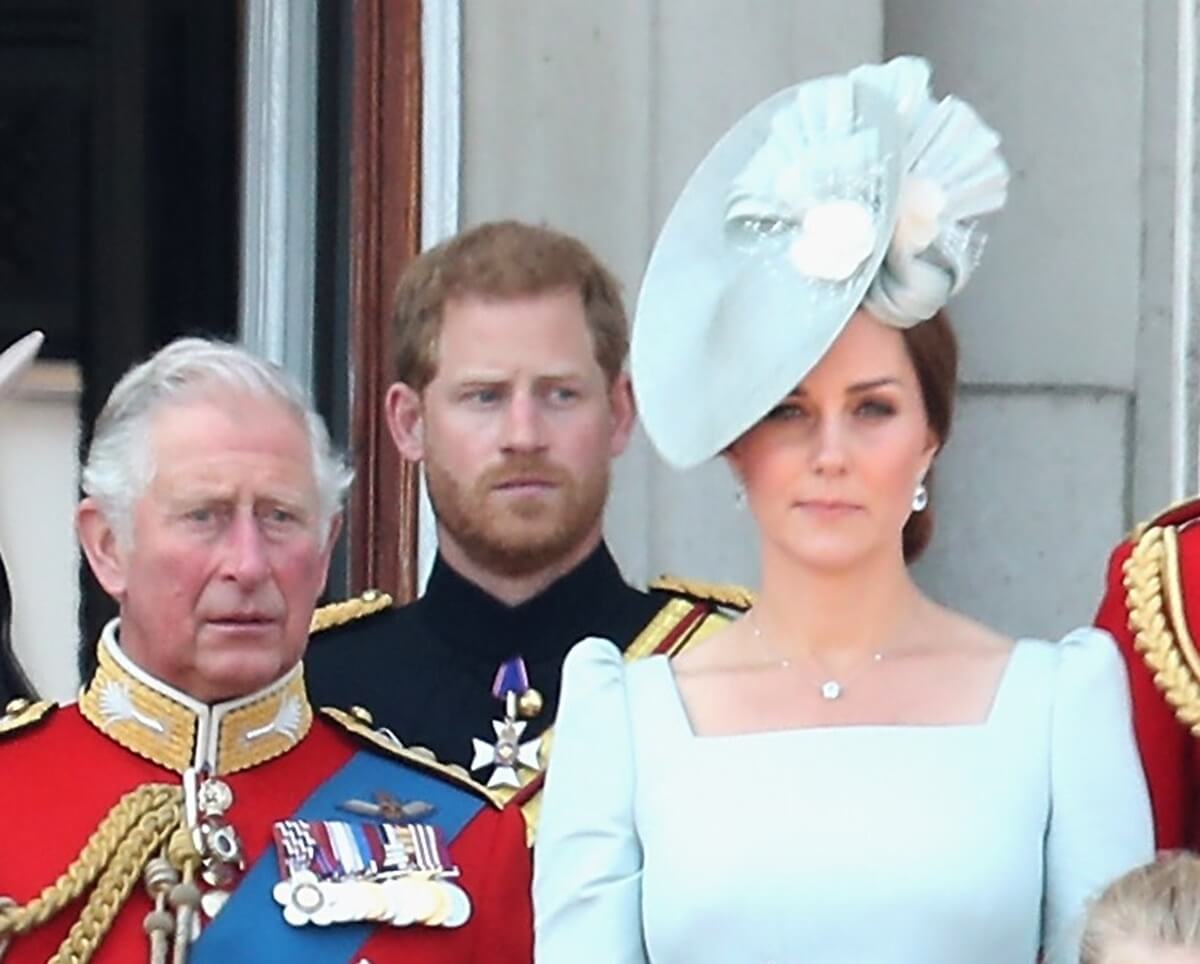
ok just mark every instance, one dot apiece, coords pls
pixel 873 383
pixel 799 391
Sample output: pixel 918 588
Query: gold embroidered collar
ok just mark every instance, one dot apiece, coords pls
pixel 172 729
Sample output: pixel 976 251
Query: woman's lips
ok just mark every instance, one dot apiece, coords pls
pixel 824 507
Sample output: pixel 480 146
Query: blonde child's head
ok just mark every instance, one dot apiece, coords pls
pixel 1151 915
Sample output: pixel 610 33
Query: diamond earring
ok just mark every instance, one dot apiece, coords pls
pixel 920 498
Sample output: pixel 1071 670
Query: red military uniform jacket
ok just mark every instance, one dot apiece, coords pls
pixel 1152 608
pixel 63 770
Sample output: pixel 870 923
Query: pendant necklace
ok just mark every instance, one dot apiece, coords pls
pixel 831 688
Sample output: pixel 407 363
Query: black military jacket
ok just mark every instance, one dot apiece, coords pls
pixel 425 670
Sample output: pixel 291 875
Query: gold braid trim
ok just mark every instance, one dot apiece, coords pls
pixel 422 758
pixel 21 713
pixel 1152 578
pixel 340 613
pixel 1171 583
pixel 130 833
pixel 646 642
pixel 1158 518
pixel 723 594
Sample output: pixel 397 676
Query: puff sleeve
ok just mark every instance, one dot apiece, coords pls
pixel 587 857
pixel 1100 823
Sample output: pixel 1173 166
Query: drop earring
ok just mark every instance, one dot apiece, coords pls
pixel 920 498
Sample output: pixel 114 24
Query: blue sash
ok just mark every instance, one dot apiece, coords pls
pixel 251 922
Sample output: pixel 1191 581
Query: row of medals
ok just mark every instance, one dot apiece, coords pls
pixel 399 901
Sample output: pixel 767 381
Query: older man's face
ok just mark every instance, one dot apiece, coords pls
pixel 227 557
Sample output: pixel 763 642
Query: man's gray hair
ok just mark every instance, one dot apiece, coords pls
pixel 120 463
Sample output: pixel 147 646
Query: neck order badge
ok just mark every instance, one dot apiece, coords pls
pixel 507 754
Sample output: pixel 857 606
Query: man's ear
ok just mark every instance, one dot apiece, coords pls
pixel 406 420
pixel 624 413
pixel 100 545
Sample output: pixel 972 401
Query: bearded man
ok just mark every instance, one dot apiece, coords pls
pixel 510 391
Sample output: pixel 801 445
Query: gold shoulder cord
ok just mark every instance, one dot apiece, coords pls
pixel 1154 599
pixel 141 824
pixel 359 722
pixel 339 613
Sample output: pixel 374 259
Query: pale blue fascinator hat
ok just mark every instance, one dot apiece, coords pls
pixel 851 190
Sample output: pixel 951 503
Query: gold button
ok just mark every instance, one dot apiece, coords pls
pixel 19 705
pixel 362 714
pixel 530 703
pixel 370 595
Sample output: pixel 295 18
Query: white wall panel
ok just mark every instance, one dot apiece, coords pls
pixel 39 439
pixel 1056 299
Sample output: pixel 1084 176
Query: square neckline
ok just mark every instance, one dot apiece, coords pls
pixel 679 709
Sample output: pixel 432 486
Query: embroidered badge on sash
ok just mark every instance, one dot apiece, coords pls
pixel 334 872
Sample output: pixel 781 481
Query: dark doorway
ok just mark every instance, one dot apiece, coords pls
pixel 119 160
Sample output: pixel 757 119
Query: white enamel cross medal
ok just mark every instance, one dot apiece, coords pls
pixel 506 754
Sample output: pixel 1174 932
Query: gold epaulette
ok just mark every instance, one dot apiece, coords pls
pixel 723 594
pixel 1154 601
pixel 20 714
pixel 339 613
pixel 358 722
pixel 1177 512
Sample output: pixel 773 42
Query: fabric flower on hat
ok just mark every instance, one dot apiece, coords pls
pixel 815 178
pixel 953 174
pixel 919 215
pixel 835 239
pixel 816 181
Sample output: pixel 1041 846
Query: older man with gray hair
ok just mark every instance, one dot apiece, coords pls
pixel 191 805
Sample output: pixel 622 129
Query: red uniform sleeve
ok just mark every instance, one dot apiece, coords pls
pixel 497 876
pixel 1168 750
pixel 505 903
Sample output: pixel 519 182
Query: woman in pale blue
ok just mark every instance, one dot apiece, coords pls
pixel 853 773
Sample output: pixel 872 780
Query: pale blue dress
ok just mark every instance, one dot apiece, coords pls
pixel 973 844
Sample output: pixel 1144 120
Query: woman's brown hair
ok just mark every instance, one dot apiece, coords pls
pixel 933 350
